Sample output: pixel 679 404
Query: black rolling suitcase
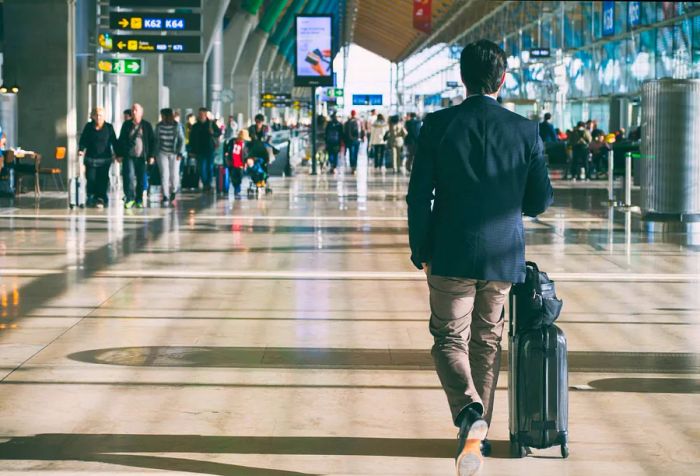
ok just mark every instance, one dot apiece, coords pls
pixel 190 175
pixel 538 369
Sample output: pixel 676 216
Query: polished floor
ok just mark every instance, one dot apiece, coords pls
pixel 288 336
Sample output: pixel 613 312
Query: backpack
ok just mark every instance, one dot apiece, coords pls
pixel 536 300
pixel 353 129
pixel 332 134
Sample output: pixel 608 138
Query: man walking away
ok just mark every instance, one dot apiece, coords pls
pixel 333 136
pixel 412 130
pixel 137 144
pixel 547 132
pixel 170 147
pixel 484 167
pixel 353 137
pixel 204 140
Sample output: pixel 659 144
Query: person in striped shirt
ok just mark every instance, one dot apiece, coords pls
pixel 170 148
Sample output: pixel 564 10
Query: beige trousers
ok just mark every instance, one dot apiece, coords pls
pixel 466 322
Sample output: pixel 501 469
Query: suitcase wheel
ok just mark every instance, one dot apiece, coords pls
pixel 564 451
pixel 517 450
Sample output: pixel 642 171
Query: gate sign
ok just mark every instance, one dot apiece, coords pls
pixel 633 14
pixel 608 18
pixel 156 3
pixel 155 44
pixel 152 21
pixel 122 66
pixel 367 99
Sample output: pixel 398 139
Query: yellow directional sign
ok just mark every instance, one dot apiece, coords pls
pixel 123 22
pixel 136 23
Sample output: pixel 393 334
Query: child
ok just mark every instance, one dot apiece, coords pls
pixel 236 153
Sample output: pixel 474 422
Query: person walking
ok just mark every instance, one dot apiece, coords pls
pixel 97 146
pixel 170 149
pixel 204 141
pixel 579 141
pixel 333 136
pixel 395 140
pixel 236 152
pixel 478 168
pixel 377 140
pixel 353 134
pixel 231 128
pixel 136 145
pixel 546 130
pixel 412 130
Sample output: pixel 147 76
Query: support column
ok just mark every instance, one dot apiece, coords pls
pixel 44 67
pixel 148 89
pixel 246 69
pixel 215 72
pixel 186 83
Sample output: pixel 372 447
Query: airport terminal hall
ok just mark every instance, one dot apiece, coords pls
pixel 349 238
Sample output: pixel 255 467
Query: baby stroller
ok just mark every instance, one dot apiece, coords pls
pixel 256 169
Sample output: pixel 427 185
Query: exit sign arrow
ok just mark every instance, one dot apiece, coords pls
pixel 122 66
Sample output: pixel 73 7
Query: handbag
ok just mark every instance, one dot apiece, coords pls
pixel 536 299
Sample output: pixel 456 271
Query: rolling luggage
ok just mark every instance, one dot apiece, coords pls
pixel 222 180
pixel 77 190
pixel 190 176
pixel 538 369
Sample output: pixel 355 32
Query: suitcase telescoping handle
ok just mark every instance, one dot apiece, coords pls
pixel 513 312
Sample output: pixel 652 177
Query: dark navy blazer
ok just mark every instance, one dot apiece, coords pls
pixel 484 167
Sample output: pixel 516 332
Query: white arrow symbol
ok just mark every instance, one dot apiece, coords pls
pixel 134 66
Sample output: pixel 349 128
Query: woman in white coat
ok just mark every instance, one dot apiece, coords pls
pixel 378 140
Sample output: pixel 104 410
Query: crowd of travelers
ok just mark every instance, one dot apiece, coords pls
pixel 391 142
pixel 172 155
pixel 586 144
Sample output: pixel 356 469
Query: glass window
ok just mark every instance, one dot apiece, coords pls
pixel 587 21
pixel 682 64
pixel 696 46
pixel 648 12
pixel 667 10
pixel 664 52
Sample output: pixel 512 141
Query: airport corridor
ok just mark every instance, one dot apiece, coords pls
pixel 288 335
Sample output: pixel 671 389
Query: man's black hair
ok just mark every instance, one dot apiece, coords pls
pixel 260 117
pixel 127 112
pixel 482 65
pixel 547 116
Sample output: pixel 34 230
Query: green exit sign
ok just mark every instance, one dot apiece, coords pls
pixel 335 92
pixel 124 66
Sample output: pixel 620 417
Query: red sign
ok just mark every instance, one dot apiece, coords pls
pixel 422 15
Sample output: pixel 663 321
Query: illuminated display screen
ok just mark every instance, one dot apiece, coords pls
pixel 314 57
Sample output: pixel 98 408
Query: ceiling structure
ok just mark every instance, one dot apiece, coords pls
pixel 385 27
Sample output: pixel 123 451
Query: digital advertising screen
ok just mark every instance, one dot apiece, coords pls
pixel 314 52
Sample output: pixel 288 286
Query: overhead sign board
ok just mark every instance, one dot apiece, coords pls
pixel 152 44
pixel 367 99
pixel 267 96
pixel 156 3
pixel 153 21
pixel 121 66
pixel 540 53
pixel 608 18
pixel 313 64
pixel 335 92
pixel 452 84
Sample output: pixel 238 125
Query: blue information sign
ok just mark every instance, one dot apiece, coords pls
pixel 634 14
pixel 608 18
pixel 367 99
